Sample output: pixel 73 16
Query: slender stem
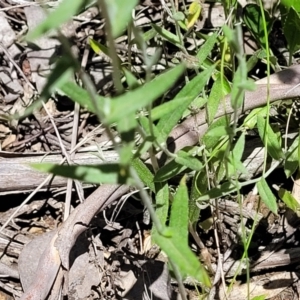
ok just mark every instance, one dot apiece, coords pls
pixel 147 201
pixel 177 28
pixel 179 280
pixel 268 81
pixel 112 48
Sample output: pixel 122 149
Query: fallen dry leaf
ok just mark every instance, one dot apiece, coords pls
pixel 8 141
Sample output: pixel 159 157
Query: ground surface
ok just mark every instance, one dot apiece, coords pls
pixel 113 257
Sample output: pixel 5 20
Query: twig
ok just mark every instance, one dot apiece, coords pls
pixel 74 138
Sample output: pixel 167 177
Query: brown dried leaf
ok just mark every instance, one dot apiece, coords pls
pixel 8 141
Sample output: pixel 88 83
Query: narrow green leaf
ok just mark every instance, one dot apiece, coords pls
pixel 144 173
pixel 148 35
pixel 266 195
pixel 185 159
pixel 61 73
pixel 260 297
pixel 220 191
pixel 81 96
pixel 168 171
pixel 238 90
pixel 183 257
pixel 254 21
pixel 99 49
pixel 291 3
pixel 291 163
pixel 235 165
pixel 124 105
pixel 271 140
pixel 162 196
pixel 167 35
pixel 199 187
pixel 131 79
pixel 126 129
pixel 191 90
pixel 206 48
pixel 182 161
pixel 179 217
pixel 220 154
pixel 193 13
pixel 218 92
pixel 105 173
pixel 119 14
pixel 149 138
pixel 291 29
pixel 289 199
pixel 132 101
pixel 164 109
pixel 239 148
pixel 251 119
pixel 216 130
pixel 182 24
pixel 255 58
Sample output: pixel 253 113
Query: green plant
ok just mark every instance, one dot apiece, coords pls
pixel 120 111
pixel 133 110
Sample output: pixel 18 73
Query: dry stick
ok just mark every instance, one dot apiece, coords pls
pixel 27 200
pixel 182 136
pixel 63 149
pixel 20 6
pixel 77 111
pixel 33 137
pixel 74 140
pixel 219 272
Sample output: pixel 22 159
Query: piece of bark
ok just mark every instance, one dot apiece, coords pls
pixel 268 260
pixel 16 174
pixel 83 273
